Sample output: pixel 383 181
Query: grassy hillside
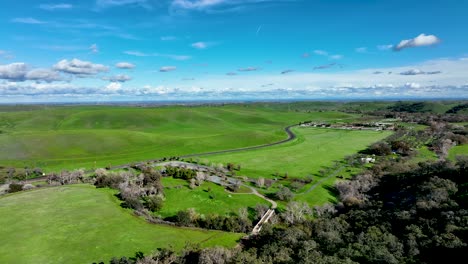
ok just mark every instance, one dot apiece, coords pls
pixel 95 136
pixel 81 224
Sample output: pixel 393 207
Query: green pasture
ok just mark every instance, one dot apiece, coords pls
pixel 70 137
pixel 313 150
pixel 460 150
pixel 208 198
pixel 81 224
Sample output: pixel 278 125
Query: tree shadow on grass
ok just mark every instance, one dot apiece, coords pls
pixel 332 191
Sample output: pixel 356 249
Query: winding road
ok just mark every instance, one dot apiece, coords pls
pixel 291 137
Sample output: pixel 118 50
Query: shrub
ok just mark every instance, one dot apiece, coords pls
pixel 284 194
pixel 15 187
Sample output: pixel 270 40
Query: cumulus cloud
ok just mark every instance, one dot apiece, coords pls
pixel 167 68
pixel 79 67
pixel 200 45
pixel 27 20
pixel 359 84
pixel 248 69
pixel 419 41
pixel 53 7
pixel 20 72
pixel 125 65
pixel 14 71
pixel 117 78
pixel 44 75
pixel 94 48
pixel 113 87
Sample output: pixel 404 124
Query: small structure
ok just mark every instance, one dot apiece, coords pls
pixel 367 160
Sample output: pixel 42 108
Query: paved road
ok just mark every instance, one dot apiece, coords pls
pixel 291 136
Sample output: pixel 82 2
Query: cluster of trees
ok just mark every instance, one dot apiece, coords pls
pixel 11 174
pixel 240 222
pixel 416 215
pixel 143 192
pixel 180 173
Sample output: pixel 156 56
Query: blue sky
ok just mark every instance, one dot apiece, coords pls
pixel 116 50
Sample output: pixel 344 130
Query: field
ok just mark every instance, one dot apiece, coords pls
pixel 62 137
pixel 314 149
pixel 208 198
pixel 458 150
pixel 79 224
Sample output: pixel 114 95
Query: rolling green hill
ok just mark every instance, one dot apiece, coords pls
pixel 81 224
pixel 63 137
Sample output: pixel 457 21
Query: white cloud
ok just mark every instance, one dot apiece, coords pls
pixel 113 87
pixel 216 5
pixel 21 72
pixel 336 57
pixel 115 3
pixel 45 75
pixel 27 20
pixel 94 48
pixel 412 85
pixel 125 65
pixel 327 54
pixel 419 41
pixel 136 53
pixel 321 52
pixel 200 45
pixel 167 68
pixel 78 67
pixel 14 71
pixel 385 47
pixel 358 84
pixel 52 7
pixel 197 4
pixel 117 78
pixel 170 56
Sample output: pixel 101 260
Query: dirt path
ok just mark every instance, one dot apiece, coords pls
pixel 323 179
